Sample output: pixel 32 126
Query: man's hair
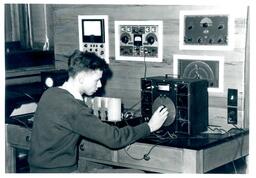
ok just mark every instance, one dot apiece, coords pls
pixel 85 61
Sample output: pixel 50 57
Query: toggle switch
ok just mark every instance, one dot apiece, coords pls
pixel 232 97
pixel 232 115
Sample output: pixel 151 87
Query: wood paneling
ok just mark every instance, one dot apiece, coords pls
pixel 126 80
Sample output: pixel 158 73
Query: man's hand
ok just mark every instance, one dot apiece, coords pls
pixel 158 118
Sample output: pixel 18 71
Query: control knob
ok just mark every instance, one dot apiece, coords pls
pixel 125 38
pixel 151 38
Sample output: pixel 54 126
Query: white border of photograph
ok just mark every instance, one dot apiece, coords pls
pixel 220 59
pixel 231 34
pixel 159 38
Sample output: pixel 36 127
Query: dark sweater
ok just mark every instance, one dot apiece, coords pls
pixel 59 121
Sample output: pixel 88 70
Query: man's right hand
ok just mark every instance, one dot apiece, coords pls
pixel 158 118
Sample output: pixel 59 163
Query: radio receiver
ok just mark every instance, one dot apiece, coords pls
pixel 185 99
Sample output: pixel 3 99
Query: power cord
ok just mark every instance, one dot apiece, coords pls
pixel 234 166
pixel 23 123
pixel 145 51
pixel 146 156
pixel 220 130
pixel 239 143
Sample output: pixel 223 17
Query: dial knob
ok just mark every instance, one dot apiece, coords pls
pixel 151 40
pixel 124 39
pixel 205 25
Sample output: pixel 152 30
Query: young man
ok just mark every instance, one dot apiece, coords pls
pixel 62 117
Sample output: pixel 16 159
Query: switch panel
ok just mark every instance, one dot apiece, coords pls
pixel 138 40
pixel 232 102
pixel 205 29
pixel 232 97
pixel 232 115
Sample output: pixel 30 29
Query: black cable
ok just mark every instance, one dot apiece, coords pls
pixel 145 64
pixel 23 123
pixel 132 156
pixel 238 127
pixel 29 96
pixel 239 143
pixel 146 155
pixel 219 130
pixel 134 105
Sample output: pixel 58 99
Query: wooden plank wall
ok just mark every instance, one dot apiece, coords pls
pixel 125 82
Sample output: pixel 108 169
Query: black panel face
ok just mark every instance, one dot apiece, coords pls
pixel 206 30
pixel 232 97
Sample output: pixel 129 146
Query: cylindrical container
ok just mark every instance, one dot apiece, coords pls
pixel 114 109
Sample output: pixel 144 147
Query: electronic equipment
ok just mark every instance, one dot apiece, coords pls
pixel 185 99
pixel 209 30
pixel 139 40
pixel 93 34
pixel 232 103
pixel 53 78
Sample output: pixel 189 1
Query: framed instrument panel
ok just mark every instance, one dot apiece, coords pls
pixel 201 67
pixel 93 35
pixel 139 40
pixel 206 30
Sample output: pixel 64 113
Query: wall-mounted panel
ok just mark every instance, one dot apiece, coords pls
pixel 201 67
pixel 206 30
pixel 139 40
pixel 93 34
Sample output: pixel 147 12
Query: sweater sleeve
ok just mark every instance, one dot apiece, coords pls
pixel 89 126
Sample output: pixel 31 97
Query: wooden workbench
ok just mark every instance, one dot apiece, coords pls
pixel 216 151
pixel 183 155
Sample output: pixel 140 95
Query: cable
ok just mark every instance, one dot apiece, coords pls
pixel 234 166
pixel 145 64
pixel 29 96
pixel 146 156
pixel 131 155
pixel 46 43
pixel 134 105
pixel 238 127
pixel 219 130
pixel 23 123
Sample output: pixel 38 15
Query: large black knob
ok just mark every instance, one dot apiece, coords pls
pixel 125 39
pixel 151 40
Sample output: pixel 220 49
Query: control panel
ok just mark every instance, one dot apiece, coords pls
pixel 205 30
pixel 139 40
pixel 93 34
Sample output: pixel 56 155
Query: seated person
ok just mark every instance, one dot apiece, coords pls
pixel 62 117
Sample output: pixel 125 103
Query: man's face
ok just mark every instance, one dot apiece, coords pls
pixel 91 81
